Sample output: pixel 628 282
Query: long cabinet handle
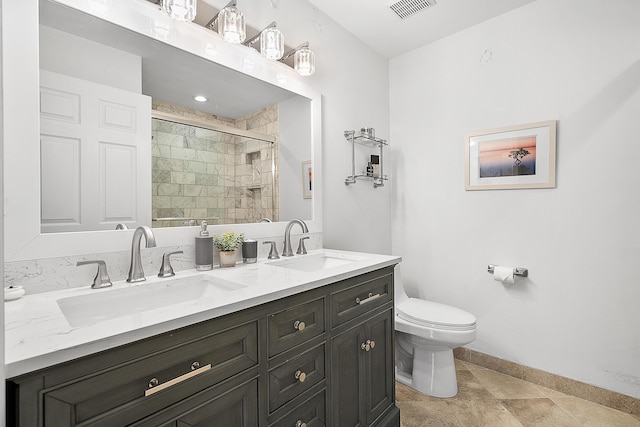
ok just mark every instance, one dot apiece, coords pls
pixel 160 387
pixel 370 298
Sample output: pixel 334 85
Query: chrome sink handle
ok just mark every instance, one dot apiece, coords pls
pixel 102 279
pixel 273 253
pixel 301 249
pixel 166 270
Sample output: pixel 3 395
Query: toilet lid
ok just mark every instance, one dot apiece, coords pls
pixel 432 314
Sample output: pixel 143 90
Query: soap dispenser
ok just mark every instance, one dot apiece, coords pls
pixel 204 249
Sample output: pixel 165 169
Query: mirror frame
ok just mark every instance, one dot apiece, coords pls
pixel 20 73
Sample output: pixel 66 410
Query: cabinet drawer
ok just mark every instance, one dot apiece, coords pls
pixel 311 412
pixel 295 325
pixel 296 376
pixel 361 298
pixel 117 396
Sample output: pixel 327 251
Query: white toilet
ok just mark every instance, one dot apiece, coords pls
pixel 426 334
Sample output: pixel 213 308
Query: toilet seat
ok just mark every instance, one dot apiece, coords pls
pixel 434 315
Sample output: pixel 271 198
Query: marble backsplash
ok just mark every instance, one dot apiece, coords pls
pixel 50 274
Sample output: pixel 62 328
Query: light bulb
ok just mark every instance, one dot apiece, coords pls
pixel 231 25
pixel 272 43
pixel 181 10
pixel 304 61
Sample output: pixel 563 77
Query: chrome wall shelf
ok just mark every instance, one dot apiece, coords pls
pixel 367 141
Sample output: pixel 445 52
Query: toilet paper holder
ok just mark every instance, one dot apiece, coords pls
pixel 519 271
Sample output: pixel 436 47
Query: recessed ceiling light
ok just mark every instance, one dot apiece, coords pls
pixel 200 98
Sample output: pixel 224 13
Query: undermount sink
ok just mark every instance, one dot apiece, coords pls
pixel 109 304
pixel 315 262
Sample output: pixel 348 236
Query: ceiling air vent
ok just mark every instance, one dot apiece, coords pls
pixel 405 8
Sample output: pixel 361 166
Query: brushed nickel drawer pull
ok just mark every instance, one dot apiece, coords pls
pixel 301 376
pixel 299 325
pixel 370 298
pixel 299 423
pixel 156 388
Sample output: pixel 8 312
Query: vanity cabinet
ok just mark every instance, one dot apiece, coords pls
pixel 323 357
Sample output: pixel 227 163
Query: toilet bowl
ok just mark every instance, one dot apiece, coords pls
pixel 426 334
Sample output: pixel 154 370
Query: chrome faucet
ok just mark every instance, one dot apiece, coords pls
pixel 136 273
pixel 287 235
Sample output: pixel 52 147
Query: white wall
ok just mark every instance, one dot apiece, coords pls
pixel 295 145
pixel 574 61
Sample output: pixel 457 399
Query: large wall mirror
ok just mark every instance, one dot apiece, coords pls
pixel 160 158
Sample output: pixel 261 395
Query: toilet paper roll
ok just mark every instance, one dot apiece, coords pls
pixel 504 274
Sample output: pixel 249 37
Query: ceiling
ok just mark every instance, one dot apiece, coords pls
pixel 373 22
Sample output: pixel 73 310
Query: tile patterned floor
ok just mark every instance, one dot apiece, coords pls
pixel 490 399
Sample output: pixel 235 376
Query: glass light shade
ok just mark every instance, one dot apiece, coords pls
pixel 272 43
pixel 304 61
pixel 181 10
pixel 231 25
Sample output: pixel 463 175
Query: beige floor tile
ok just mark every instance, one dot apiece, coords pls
pixel 592 414
pixel 473 367
pixel 540 413
pixel 426 414
pixel 406 393
pixel 460 365
pixel 471 388
pixel 503 386
pixel 482 413
pixel 550 393
pixel 491 399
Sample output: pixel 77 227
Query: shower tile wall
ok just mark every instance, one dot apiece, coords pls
pixel 255 160
pixel 204 174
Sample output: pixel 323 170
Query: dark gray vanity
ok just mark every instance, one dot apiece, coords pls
pixel 320 357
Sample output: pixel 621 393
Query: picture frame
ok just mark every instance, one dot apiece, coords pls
pixel 514 157
pixel 307 180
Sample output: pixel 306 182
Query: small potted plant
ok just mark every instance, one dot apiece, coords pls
pixel 227 243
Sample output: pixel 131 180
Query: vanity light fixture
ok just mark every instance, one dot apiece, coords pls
pixel 181 10
pixel 271 42
pixel 231 25
pixel 304 60
pixel 200 98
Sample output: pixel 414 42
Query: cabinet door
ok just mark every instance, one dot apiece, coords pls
pixel 348 378
pixel 236 408
pixel 362 372
pixel 379 366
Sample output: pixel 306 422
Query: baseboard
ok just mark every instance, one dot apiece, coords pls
pixel 598 395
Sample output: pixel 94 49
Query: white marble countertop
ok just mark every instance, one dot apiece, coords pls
pixel 38 334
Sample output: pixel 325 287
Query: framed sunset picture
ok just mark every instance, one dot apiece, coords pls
pixel 521 156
